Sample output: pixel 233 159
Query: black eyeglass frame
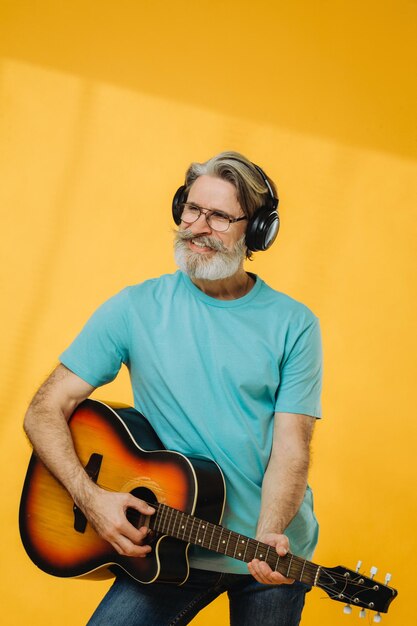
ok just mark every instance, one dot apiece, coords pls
pixel 208 213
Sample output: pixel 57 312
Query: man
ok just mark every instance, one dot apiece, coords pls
pixel 222 366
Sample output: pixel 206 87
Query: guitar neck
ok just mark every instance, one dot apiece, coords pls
pixel 216 538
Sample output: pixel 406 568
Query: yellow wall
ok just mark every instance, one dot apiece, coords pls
pixel 103 105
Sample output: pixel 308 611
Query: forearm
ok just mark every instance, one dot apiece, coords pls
pixel 283 490
pixel 285 479
pixel 47 429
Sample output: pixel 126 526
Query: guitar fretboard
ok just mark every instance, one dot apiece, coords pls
pixel 185 527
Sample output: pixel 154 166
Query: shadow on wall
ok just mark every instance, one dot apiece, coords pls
pixel 344 71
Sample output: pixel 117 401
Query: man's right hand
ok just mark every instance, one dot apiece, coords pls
pixel 106 512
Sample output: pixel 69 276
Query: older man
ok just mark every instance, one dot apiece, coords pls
pixel 222 366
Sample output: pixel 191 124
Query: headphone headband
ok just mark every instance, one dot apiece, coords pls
pixel 274 199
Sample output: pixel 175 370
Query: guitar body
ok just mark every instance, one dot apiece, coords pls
pixel 56 535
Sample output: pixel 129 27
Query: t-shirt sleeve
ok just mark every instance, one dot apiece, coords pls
pixel 301 373
pixel 98 352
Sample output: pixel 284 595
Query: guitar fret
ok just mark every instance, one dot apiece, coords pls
pixel 237 540
pixel 164 518
pixel 167 520
pixel 261 555
pixel 161 509
pixel 184 525
pixel 198 532
pixel 205 532
pixel 211 537
pixel 229 534
pixel 246 548
pixel 252 550
pixel 180 525
pixel 267 553
pixel 192 533
pixel 218 543
pixel 240 541
pixel 236 546
pixel 223 541
pixel 289 566
pixel 171 513
pixel 176 522
pixel 197 541
pixel 188 528
pixel 157 519
pixel 302 571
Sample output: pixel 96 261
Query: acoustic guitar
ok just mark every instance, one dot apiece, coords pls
pixel 188 494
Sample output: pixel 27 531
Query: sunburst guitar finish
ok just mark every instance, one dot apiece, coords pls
pixel 188 496
pixel 56 534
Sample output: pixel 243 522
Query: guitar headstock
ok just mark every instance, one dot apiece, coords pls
pixel 355 589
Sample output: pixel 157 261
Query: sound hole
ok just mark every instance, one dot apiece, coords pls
pixel 136 519
pixel 144 494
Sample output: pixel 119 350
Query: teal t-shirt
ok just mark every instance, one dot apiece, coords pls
pixel 209 375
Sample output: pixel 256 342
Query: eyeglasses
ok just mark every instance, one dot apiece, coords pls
pixel 217 220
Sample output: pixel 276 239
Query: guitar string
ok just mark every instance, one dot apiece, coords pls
pixel 309 568
pixel 297 564
pixel 348 598
pixel 217 530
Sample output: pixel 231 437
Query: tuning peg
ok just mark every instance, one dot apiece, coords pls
pixel 387 578
pixel 373 571
pixel 358 566
pixel 347 609
pixel 362 613
pixel 377 617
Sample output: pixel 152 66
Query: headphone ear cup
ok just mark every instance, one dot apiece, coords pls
pixel 177 202
pixel 262 229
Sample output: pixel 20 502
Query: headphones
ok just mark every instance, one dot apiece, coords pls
pixel 263 226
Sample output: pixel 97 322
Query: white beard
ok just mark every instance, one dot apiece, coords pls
pixel 222 264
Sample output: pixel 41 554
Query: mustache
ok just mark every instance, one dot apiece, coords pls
pixel 211 242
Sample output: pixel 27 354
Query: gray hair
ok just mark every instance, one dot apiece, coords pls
pixel 251 190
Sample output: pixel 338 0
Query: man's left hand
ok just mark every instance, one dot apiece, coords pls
pixel 261 570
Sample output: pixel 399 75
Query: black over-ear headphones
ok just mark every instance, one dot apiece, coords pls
pixel 263 226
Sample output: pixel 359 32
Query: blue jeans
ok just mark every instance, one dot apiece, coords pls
pixel 129 603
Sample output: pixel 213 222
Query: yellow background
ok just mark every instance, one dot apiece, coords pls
pixel 103 105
